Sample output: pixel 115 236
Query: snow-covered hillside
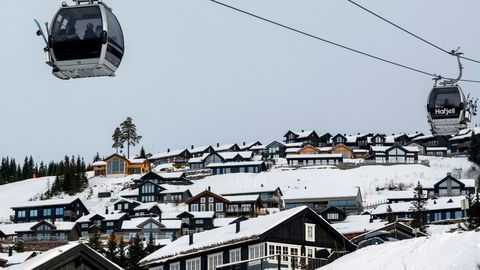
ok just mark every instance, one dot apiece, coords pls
pixel 318 181
pixel 308 182
pixel 447 251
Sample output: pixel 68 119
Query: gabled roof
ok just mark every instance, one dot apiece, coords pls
pixel 333 208
pixel 274 143
pixel 197 215
pixel 233 155
pixel 200 149
pixel 313 156
pixel 206 193
pixel 147 207
pixel 249 145
pixel 251 230
pixel 169 154
pixel 17 258
pixel 106 217
pixel 243 198
pixel 11 229
pixel 225 147
pixel 236 164
pixel 58 257
pixel 59 226
pixel 442 203
pixel 388 148
pixel 54 202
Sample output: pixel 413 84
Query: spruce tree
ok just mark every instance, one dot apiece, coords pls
pixel 118 139
pixel 122 258
pixel 96 157
pixel 151 246
pixel 418 209
pixel 129 134
pixel 136 252
pixel 391 217
pixel 112 248
pixel 474 150
pixel 142 153
pixel 19 247
pixel 94 241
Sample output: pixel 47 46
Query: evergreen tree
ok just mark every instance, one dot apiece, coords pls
pixel 136 252
pixel 142 153
pixel 122 258
pixel 96 157
pixel 391 217
pixel 118 140
pixel 474 150
pixel 151 247
pixel 112 248
pixel 94 241
pixel 19 247
pixel 129 134
pixel 418 209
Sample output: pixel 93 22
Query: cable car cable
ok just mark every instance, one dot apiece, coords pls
pixel 410 33
pixel 337 44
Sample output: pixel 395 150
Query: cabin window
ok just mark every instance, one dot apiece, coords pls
pixel 47 212
pixel 310 232
pixel 148 188
pixel 21 214
pixel 194 208
pixel 33 213
pixel 199 221
pixel 210 199
pixel 285 252
pixel 175 266
pixel 110 224
pixel 125 206
pixel 202 207
pixel 202 200
pixel 59 211
pixel 332 216
pixel 219 207
pixel 157 268
pixel 214 261
pixel 235 255
pixel 254 252
pixel 84 225
pixel 210 207
pixel 193 264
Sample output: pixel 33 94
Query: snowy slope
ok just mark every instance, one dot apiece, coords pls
pixel 20 192
pixel 459 251
pixel 311 182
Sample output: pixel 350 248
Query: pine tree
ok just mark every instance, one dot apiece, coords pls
pixel 94 241
pixel 142 153
pixel 474 151
pixel 151 247
pixel 122 258
pixel 136 252
pixel 418 209
pixel 118 139
pixel 112 248
pixel 96 157
pixel 129 134
pixel 391 217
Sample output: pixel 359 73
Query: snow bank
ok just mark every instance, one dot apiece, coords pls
pixel 459 251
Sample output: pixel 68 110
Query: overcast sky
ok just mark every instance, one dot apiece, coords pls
pixel 197 73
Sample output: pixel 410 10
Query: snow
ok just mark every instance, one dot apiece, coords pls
pixel 16 258
pixel 221 222
pixel 294 156
pixel 52 202
pixel 232 155
pixel 242 198
pixel 107 217
pixel 167 154
pixel 224 147
pixel 432 204
pixel 235 164
pixel 250 229
pixel 173 189
pixel 99 163
pixel 47 256
pixel 459 251
pixel 203 214
pixel 357 224
pixel 10 229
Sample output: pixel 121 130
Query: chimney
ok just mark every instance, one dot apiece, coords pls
pixel 303 130
pixel 168 150
pixel 106 210
pixel 209 188
pixel 237 226
pixel 190 239
pixel 218 144
pixel 244 143
pixel 160 218
pixel 449 174
pixel 192 146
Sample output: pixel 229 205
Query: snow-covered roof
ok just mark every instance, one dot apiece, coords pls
pixel 419 138
pixel 11 229
pixel 231 155
pixel 60 226
pixel 292 150
pixel 199 149
pixel 221 222
pixel 250 229
pixel 437 149
pixel 313 156
pixel 171 175
pixel 235 164
pixel 146 206
pixel 357 224
pixel 242 198
pixel 16 258
pixel 49 255
pixel 258 147
pixel 432 204
pixel 360 150
pixel 174 189
pixel 129 192
pixel 161 167
pixel 204 214
pixel 224 147
pixel 134 223
pixel 385 148
pixel 306 193
pixel 137 160
pixel 106 217
pixel 99 163
pixel 469 183
pixel 248 145
pixel 404 194
pixel 325 149
pixel 167 154
pixel 304 134
pixel 46 203
pixel 294 145
pixel 199 159
pixel 445 251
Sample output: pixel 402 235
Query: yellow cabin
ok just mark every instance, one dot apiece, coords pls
pixel 117 164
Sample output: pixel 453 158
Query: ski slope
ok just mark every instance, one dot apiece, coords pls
pixel 446 251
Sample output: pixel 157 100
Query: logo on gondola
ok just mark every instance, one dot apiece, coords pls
pixel 445 111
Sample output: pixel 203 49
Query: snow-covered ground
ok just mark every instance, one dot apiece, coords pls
pixel 323 180
pixel 307 182
pixel 446 251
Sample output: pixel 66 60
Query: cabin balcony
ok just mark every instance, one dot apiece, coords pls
pixel 70 215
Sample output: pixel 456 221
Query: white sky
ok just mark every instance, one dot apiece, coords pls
pixel 197 73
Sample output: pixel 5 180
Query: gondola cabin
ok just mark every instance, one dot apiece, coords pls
pixel 85 40
pixel 447 110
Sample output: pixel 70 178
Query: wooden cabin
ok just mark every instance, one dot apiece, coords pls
pixel 117 164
